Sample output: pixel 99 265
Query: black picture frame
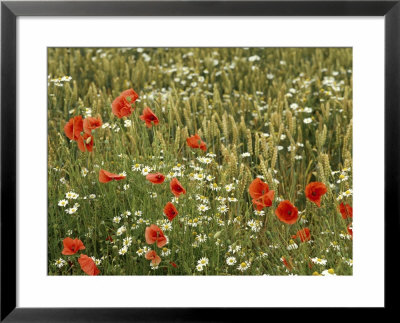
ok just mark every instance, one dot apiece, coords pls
pixel 10 10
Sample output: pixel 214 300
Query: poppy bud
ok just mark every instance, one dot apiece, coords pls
pixel 216 235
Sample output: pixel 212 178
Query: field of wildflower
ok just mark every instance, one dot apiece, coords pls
pixel 200 161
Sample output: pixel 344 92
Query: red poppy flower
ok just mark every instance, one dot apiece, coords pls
pixel 74 127
pixel 346 210
pixel 303 234
pixel 156 178
pixel 88 265
pixel 196 142
pixel 148 116
pixel 90 124
pixel 350 229
pixel 109 238
pixel 121 107
pixel 85 142
pixel 152 255
pixel 264 201
pixel 286 263
pixel 130 95
pixel 314 191
pixel 154 234
pixel 258 188
pixel 72 246
pixel 105 177
pixel 173 264
pixel 170 211
pixel 262 196
pixel 176 187
pixel 287 212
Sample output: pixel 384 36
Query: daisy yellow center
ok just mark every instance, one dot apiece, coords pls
pixel 331 271
pixel 341 176
pixel 348 192
pixel 243 265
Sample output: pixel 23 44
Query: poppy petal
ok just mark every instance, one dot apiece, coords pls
pixel 88 265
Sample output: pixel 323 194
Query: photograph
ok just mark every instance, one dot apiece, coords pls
pixel 224 161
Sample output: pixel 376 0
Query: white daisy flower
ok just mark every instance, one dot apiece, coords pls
pixel 199 268
pixel 71 195
pixel 84 171
pixel 127 242
pixel 136 167
pixel 165 252
pixel 231 261
pixel 71 210
pixel 202 208
pixel 244 266
pixel 60 263
pixel 203 261
pixel 215 187
pixel 121 230
pixel 319 261
pixel 62 203
pixel 223 208
pixel 123 250
pixel 328 272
